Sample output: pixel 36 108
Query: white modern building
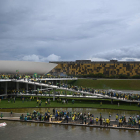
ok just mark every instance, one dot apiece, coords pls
pixel 21 67
pixel 25 67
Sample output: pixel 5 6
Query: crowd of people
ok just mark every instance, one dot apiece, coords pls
pixel 83 118
pixel 23 76
pixel 76 89
pixel 124 96
pixel 35 115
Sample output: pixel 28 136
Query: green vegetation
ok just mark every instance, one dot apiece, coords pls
pixel 83 102
pixel 100 75
pixel 88 103
pixel 108 84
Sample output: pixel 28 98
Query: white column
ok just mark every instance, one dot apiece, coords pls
pixel 111 101
pixel 17 86
pixel 5 87
pixel 34 87
pixel 26 86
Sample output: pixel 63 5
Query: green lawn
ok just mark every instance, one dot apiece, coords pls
pixel 78 103
pixel 108 84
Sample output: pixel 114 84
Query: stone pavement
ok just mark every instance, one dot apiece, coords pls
pixel 113 124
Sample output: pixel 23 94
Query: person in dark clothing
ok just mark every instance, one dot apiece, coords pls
pixel 100 120
pixel 53 111
pixel 85 119
pixel 67 118
pixel 40 117
pixel 11 114
pixel 82 119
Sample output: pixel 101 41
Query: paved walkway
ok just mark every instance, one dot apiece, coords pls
pixel 10 118
pixel 92 95
pixel 113 124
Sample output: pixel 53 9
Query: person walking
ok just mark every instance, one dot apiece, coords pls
pixel 107 122
pixel 109 115
pixel 117 117
pixel 67 118
pixel 1 115
pixel 54 111
pixel 97 121
pixel 120 122
pixel 100 120
pixel 85 119
pixel 11 113
pixel 73 119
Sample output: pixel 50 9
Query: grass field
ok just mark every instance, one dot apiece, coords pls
pixel 108 84
pixel 88 103
pixel 78 103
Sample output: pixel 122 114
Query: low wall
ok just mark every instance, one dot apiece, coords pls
pixel 8 114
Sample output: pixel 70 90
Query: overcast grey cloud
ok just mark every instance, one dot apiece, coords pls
pixel 125 54
pixel 50 30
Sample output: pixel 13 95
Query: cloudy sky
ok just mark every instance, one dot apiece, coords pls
pixel 62 30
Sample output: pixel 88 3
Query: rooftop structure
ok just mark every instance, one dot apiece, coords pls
pixel 25 67
pixel 25 76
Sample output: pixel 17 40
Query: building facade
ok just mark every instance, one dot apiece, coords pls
pixel 107 68
pixel 10 84
pixel 25 67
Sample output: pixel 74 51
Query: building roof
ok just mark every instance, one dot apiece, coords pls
pixel 89 61
pixel 25 67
